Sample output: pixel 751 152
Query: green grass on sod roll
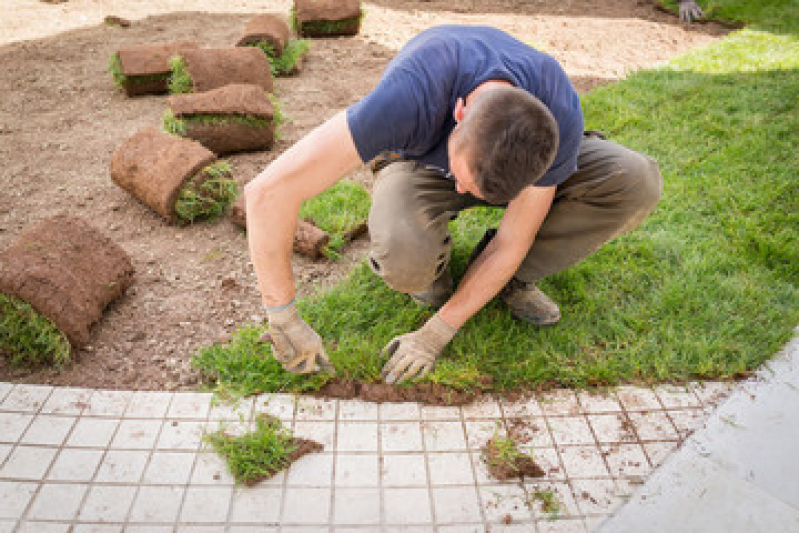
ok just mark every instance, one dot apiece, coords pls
pixel 207 194
pixel 283 65
pixel 27 338
pixel 180 79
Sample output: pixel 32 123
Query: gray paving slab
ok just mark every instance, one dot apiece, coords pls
pixel 738 473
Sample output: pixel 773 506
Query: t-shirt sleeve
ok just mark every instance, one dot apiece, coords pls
pixel 399 114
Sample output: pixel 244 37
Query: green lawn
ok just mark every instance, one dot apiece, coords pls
pixel 706 288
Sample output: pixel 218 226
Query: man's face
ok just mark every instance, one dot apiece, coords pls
pixel 459 166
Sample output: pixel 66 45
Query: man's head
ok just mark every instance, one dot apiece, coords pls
pixel 505 140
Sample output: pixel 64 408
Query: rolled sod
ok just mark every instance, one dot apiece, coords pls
pixel 61 272
pixel 145 69
pixel 327 18
pixel 166 173
pixel 309 240
pixel 271 33
pixel 233 118
pixel 197 71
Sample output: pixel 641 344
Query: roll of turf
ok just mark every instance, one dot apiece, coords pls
pixel 327 18
pixel 197 71
pixel 145 69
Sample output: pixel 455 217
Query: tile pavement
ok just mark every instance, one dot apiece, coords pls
pixel 92 460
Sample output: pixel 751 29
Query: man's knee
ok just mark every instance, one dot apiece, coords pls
pixel 406 267
pixel 643 186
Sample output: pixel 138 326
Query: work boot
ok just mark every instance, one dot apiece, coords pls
pixel 529 303
pixel 437 293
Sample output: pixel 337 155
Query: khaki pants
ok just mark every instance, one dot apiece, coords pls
pixel 612 192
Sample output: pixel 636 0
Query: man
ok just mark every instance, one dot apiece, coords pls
pixel 469 116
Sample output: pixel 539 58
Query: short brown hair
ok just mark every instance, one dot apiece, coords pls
pixel 511 139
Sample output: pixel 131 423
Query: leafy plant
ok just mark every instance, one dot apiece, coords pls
pixel 206 194
pixel 256 455
pixel 27 337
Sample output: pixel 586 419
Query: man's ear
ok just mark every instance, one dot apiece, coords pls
pixel 459 111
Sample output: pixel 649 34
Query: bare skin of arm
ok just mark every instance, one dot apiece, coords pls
pixel 275 196
pixel 502 257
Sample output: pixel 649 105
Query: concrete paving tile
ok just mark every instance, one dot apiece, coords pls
pixel 638 398
pixel 522 407
pixel 520 527
pixel 7 526
pixel 148 404
pixel 407 506
pixel 356 437
pixel 561 494
pixel 206 505
pixel 314 470
pixel 404 470
pixel 559 402
pixel 356 506
pixel 596 496
pixel 169 468
pixel 26 398
pixel 626 460
pixel 713 393
pixel 677 396
pixel 123 466
pixel 456 505
pixel 407 529
pixel 211 469
pixel 97 528
pixel 28 463
pixel 5 388
pixel 549 461
pixel 108 403
pixel 501 501
pixel 43 527
pixel 157 504
pixel 687 420
pixel 107 503
pixel 692 493
pixel 253 529
pixel 322 432
pixel 560 525
pixel 75 465
pixel 57 502
pixel 570 430
pixel 440 412
pixel 312 408
pixel 181 435
pixel 190 406
pixel 615 427
pixel 659 451
pixel 92 432
pixel 5 451
pixel 400 411
pixel 239 411
pixel 296 508
pixel 256 505
pixel 14 498
pixel 583 461
pixel 149 529
pixel 600 401
pixel 654 425
pixel 136 434
pixel 484 408
pixel 357 410
pixel 281 406
pixel 48 430
pixel 13 426
pixel 531 432
pixel 401 437
pixel 450 468
pixel 356 470
pixel 67 401
pixel 462 528
pixel 443 436
pixel 479 432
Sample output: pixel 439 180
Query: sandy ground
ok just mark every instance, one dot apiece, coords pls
pixel 61 118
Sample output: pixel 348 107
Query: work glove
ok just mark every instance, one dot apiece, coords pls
pixel 414 354
pixel 294 343
pixel 690 11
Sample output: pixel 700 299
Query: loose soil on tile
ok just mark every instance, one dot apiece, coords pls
pixel 61 117
pixel 503 468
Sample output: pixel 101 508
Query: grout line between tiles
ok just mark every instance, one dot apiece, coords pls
pixel 433 518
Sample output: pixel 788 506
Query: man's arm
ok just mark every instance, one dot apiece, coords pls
pixel 493 268
pixel 275 196
pixel 414 354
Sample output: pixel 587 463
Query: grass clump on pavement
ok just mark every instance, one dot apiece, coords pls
pixel 256 455
pixel 27 337
pixel 207 194
pixel 706 288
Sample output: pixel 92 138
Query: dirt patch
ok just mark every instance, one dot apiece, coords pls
pixel 504 464
pixel 61 117
pixel 425 393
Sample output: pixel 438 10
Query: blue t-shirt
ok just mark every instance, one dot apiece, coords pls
pixel 410 110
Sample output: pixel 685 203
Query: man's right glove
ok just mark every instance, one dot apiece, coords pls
pixel 294 343
pixel 414 354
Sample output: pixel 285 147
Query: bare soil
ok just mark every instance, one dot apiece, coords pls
pixel 519 466
pixel 61 117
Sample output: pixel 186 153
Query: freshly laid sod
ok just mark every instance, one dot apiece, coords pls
pixel 706 288
pixel 207 194
pixel 28 337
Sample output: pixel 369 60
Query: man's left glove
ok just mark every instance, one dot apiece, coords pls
pixel 414 354
pixel 294 343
